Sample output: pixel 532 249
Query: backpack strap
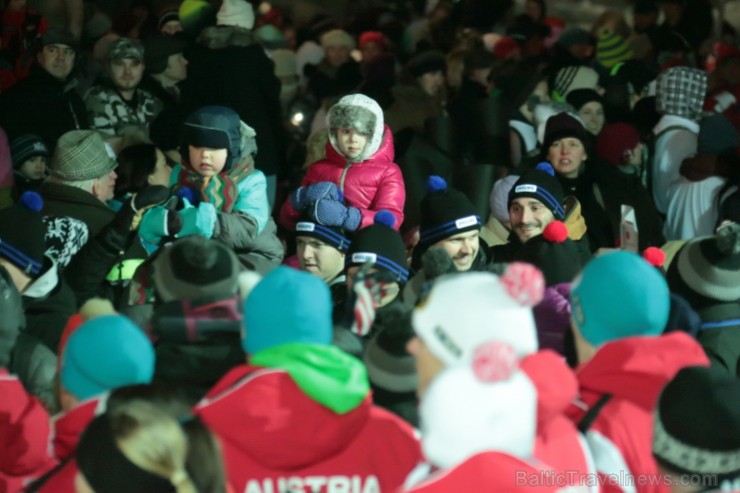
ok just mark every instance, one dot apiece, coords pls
pixel 593 413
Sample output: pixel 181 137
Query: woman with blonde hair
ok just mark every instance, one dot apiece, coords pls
pixel 136 447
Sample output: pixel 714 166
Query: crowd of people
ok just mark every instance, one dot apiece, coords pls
pixel 434 246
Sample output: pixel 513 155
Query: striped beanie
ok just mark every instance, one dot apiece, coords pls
pixel 611 49
pixel 571 78
pixel 25 147
pixel 195 15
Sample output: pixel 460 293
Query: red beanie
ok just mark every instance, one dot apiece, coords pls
pixel 615 140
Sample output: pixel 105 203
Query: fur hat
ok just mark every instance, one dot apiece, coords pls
pixel 540 184
pixel 106 353
pixel 361 113
pixel 237 13
pixel 461 412
pixel 82 155
pixel 193 268
pixel 709 446
pixel 619 295
pixel 382 245
pixel 287 306
pixel 465 310
pixel 26 147
pixel 22 234
pixel 445 212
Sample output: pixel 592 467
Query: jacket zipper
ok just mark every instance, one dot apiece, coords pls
pixel 343 176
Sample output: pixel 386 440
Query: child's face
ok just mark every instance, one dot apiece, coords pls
pixel 34 168
pixel 206 161
pixel 351 143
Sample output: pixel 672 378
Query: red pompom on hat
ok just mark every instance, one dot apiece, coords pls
pixel 654 256
pixel 524 282
pixel 556 232
pixel 494 362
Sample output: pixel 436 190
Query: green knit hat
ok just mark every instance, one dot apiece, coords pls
pixel 611 49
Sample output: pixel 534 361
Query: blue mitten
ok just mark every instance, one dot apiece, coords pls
pixel 199 220
pixel 334 213
pixel 306 196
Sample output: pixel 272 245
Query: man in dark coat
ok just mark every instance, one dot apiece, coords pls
pixel 45 103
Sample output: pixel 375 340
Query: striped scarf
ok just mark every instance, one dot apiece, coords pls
pixel 220 190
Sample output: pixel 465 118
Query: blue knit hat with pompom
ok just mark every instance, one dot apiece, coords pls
pixel 445 212
pixel 382 245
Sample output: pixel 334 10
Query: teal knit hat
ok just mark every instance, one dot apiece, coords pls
pixel 106 353
pixel 287 306
pixel 619 295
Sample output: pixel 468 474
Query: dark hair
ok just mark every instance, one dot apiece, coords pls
pixel 135 164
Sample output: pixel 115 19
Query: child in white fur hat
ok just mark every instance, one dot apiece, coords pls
pixel 357 178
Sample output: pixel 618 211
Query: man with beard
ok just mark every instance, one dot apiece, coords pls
pixel 449 221
pixel 117 106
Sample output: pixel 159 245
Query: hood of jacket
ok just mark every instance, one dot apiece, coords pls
pixel 299 405
pixel 574 219
pixel 343 109
pixel 637 368
pixel 218 37
pixel 556 384
pixel 384 152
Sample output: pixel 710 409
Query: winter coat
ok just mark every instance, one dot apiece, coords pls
pixel 372 184
pixel 48 303
pixel 276 435
pixel 36 366
pixel 65 200
pixel 228 68
pixel 633 370
pixel 411 108
pixel 66 433
pixel 247 228
pixel 552 316
pixel 558 444
pixel 113 116
pixel 42 105
pixel 720 336
pixel 601 190
pixel 489 471
pixel 24 435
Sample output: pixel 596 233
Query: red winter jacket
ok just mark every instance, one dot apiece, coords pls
pixel 371 185
pixel 634 370
pixel 558 444
pixel 24 435
pixel 490 471
pixel 67 429
pixel 276 438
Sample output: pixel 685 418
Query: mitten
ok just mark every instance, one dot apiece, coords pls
pixel 158 223
pixel 334 213
pixel 199 220
pixel 145 200
pixel 306 196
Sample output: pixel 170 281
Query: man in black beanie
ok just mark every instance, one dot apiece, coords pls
pixel 699 454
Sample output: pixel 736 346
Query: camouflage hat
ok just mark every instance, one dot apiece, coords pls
pixel 82 155
pixel 125 48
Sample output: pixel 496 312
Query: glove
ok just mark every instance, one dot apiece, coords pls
pixel 199 220
pixel 306 196
pixel 334 213
pixel 157 223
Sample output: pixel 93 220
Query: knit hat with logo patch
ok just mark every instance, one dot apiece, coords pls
pixel 380 244
pixel 540 184
pixel 445 212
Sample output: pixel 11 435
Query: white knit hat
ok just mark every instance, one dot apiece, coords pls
pixel 465 310
pixel 484 403
pixel 236 13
